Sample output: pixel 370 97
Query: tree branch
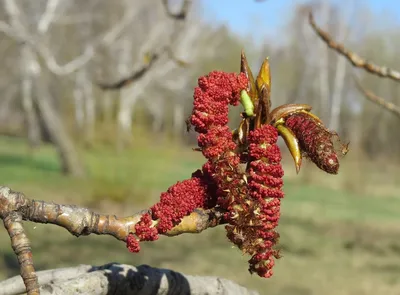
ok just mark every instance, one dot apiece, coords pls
pixel 79 221
pixel 394 109
pixel 22 248
pixel 359 62
pixel 116 278
pixel 150 60
pixel 48 16
pixel 355 59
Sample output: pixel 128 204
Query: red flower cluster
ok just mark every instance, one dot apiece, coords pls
pixel 252 202
pixel 179 200
pixel 212 97
pixel 256 211
pixel 315 141
pixel 265 189
pixel 251 197
pixel 210 116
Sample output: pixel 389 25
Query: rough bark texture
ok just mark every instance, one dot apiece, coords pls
pixel 124 279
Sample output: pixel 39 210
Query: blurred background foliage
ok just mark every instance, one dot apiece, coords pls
pixel 65 139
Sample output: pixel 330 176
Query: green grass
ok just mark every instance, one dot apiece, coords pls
pixel 333 241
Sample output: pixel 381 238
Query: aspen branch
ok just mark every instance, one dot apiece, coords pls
pixel 22 249
pixel 359 62
pixel 116 278
pixel 79 221
pixel 394 109
pixel 354 59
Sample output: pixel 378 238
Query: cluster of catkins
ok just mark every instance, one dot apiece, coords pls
pixel 248 188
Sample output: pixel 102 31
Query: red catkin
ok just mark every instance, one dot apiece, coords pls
pixel 177 202
pixel 255 210
pixel 315 141
pixel 251 198
pixel 210 116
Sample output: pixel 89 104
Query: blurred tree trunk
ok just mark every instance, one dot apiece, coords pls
pixel 90 107
pixel 107 108
pixel 85 107
pixel 79 106
pixel 51 119
pixel 28 70
pixel 126 95
pixel 178 119
pixel 70 162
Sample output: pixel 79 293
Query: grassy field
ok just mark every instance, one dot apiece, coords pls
pixel 333 241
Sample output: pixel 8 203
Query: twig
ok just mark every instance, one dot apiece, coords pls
pixel 150 60
pixel 377 99
pixel 116 278
pixel 22 248
pixel 359 62
pixel 79 221
pixel 355 59
pixel 132 77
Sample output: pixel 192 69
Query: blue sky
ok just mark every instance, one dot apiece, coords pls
pixel 270 15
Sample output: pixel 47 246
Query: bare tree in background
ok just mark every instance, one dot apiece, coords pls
pixel 37 26
pixel 32 75
pixel 157 47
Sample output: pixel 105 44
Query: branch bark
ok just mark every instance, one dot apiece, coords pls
pixel 394 109
pixel 79 221
pixel 121 279
pixel 358 62
pixel 352 57
pixel 22 249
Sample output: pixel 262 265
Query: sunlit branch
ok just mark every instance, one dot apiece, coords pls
pixel 377 99
pixel 79 221
pixel 355 59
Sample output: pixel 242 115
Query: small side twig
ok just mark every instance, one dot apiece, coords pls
pixel 79 221
pixel 22 249
pixel 355 59
pixel 359 62
pixel 150 60
pixel 394 109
